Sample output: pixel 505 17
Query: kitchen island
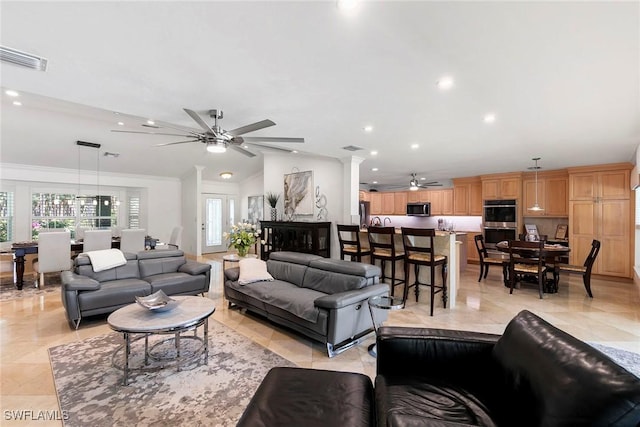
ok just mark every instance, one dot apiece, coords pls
pixel 452 245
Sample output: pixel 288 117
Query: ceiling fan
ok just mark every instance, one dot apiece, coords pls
pixel 217 139
pixel 414 184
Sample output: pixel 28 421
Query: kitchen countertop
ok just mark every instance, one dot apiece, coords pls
pixel 438 233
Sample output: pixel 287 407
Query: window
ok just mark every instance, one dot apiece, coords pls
pixel 134 212
pixel 6 216
pixel 66 211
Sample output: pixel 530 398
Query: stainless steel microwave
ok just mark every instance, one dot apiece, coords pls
pixel 419 209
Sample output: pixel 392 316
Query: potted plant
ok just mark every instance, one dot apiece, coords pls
pixel 272 200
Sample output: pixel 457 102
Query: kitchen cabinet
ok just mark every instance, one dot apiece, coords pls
pixel 502 186
pixel 447 201
pixel 388 203
pixel 400 203
pixel 467 196
pixel 413 196
pixel 375 203
pixel 601 207
pixel 553 194
pixel 363 196
pixel 441 201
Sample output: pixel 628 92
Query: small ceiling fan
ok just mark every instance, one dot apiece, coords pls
pixel 217 139
pixel 414 184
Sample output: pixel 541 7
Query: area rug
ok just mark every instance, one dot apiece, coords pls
pixel 90 390
pixel 8 290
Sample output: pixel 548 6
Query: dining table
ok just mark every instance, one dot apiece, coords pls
pixel 20 249
pixel 552 253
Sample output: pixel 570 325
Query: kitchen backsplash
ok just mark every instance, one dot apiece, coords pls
pixel 460 223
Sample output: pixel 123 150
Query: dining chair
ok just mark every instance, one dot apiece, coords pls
pixel 350 243
pixel 486 260
pixel 525 259
pixel 419 250
pixel 54 254
pixel 585 269
pixel 384 248
pixel 132 240
pixel 95 240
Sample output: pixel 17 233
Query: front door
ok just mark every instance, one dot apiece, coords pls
pixel 217 217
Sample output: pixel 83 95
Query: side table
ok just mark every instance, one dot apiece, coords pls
pixel 382 303
pixel 234 258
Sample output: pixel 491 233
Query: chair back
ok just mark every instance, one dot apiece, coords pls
pixel 176 233
pixel 382 242
pixel 79 233
pixel 591 258
pixel 96 240
pixel 132 240
pixel 523 252
pixel 349 235
pixel 419 244
pixel 54 251
pixel 482 249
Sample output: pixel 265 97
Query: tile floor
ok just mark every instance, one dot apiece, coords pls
pixel 29 326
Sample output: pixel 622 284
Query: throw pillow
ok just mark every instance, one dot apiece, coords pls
pixel 253 270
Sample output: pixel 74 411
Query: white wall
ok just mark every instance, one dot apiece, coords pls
pixel 252 186
pixel 327 174
pixel 161 195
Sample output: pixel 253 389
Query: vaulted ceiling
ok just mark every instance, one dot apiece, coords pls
pixel 562 80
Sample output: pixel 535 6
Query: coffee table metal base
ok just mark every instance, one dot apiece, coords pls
pixel 180 359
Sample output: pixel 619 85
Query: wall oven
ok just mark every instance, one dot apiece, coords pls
pixel 499 221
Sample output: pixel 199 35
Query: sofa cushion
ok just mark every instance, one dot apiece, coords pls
pixel 294 257
pixel 286 271
pixel 346 267
pixel 159 265
pixel 176 283
pixel 253 270
pixel 113 293
pixel 126 271
pixel 415 401
pixel 558 380
pixel 329 282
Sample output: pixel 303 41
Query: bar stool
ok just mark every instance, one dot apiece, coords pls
pixel 383 247
pixel 350 244
pixel 418 253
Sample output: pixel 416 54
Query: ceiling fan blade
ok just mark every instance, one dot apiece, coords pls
pixel 242 150
pixel 174 143
pixel 272 139
pixel 250 128
pixel 431 185
pixel 270 147
pixel 193 132
pixel 148 133
pixel 199 120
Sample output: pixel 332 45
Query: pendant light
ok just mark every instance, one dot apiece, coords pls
pixel 536 207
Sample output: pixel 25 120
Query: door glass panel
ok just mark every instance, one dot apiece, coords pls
pixel 213 222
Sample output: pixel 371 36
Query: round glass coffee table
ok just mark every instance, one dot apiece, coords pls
pixel 382 303
pixel 189 313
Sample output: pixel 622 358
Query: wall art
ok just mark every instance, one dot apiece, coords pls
pixel 298 194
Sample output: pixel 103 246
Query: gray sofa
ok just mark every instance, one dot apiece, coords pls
pixel 324 299
pixel 87 293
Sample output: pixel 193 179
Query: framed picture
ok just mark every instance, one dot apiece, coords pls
pixel 561 231
pixel 256 209
pixel 298 194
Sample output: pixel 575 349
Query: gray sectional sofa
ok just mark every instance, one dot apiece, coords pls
pixel 87 293
pixel 324 299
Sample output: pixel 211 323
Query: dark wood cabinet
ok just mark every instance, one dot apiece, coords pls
pixel 307 237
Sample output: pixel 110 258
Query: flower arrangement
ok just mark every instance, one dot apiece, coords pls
pixel 242 236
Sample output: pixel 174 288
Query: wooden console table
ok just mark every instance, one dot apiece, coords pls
pixel 308 237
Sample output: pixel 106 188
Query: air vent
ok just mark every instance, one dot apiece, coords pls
pixel 22 59
pixel 352 148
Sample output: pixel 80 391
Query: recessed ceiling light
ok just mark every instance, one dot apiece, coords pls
pixel 151 122
pixel 347 4
pixel 445 83
pixel 368 128
pixel 374 153
pixel 11 92
pixel 415 146
pixel 294 151
pixel 375 182
pixel 18 103
pixel 374 169
pixel 120 123
pixel 423 178
pixel 489 118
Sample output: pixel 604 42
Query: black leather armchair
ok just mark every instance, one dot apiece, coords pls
pixel 532 375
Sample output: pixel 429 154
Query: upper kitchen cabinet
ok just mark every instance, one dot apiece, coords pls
pixel 502 186
pixel 375 203
pixel 467 196
pixel 363 196
pixel 552 193
pixel 388 203
pixel 595 183
pixel 413 196
pixel 441 201
pixel 400 203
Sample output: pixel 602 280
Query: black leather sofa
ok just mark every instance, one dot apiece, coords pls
pixel 532 375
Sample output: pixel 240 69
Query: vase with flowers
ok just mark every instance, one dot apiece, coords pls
pixel 242 236
pixel 272 200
